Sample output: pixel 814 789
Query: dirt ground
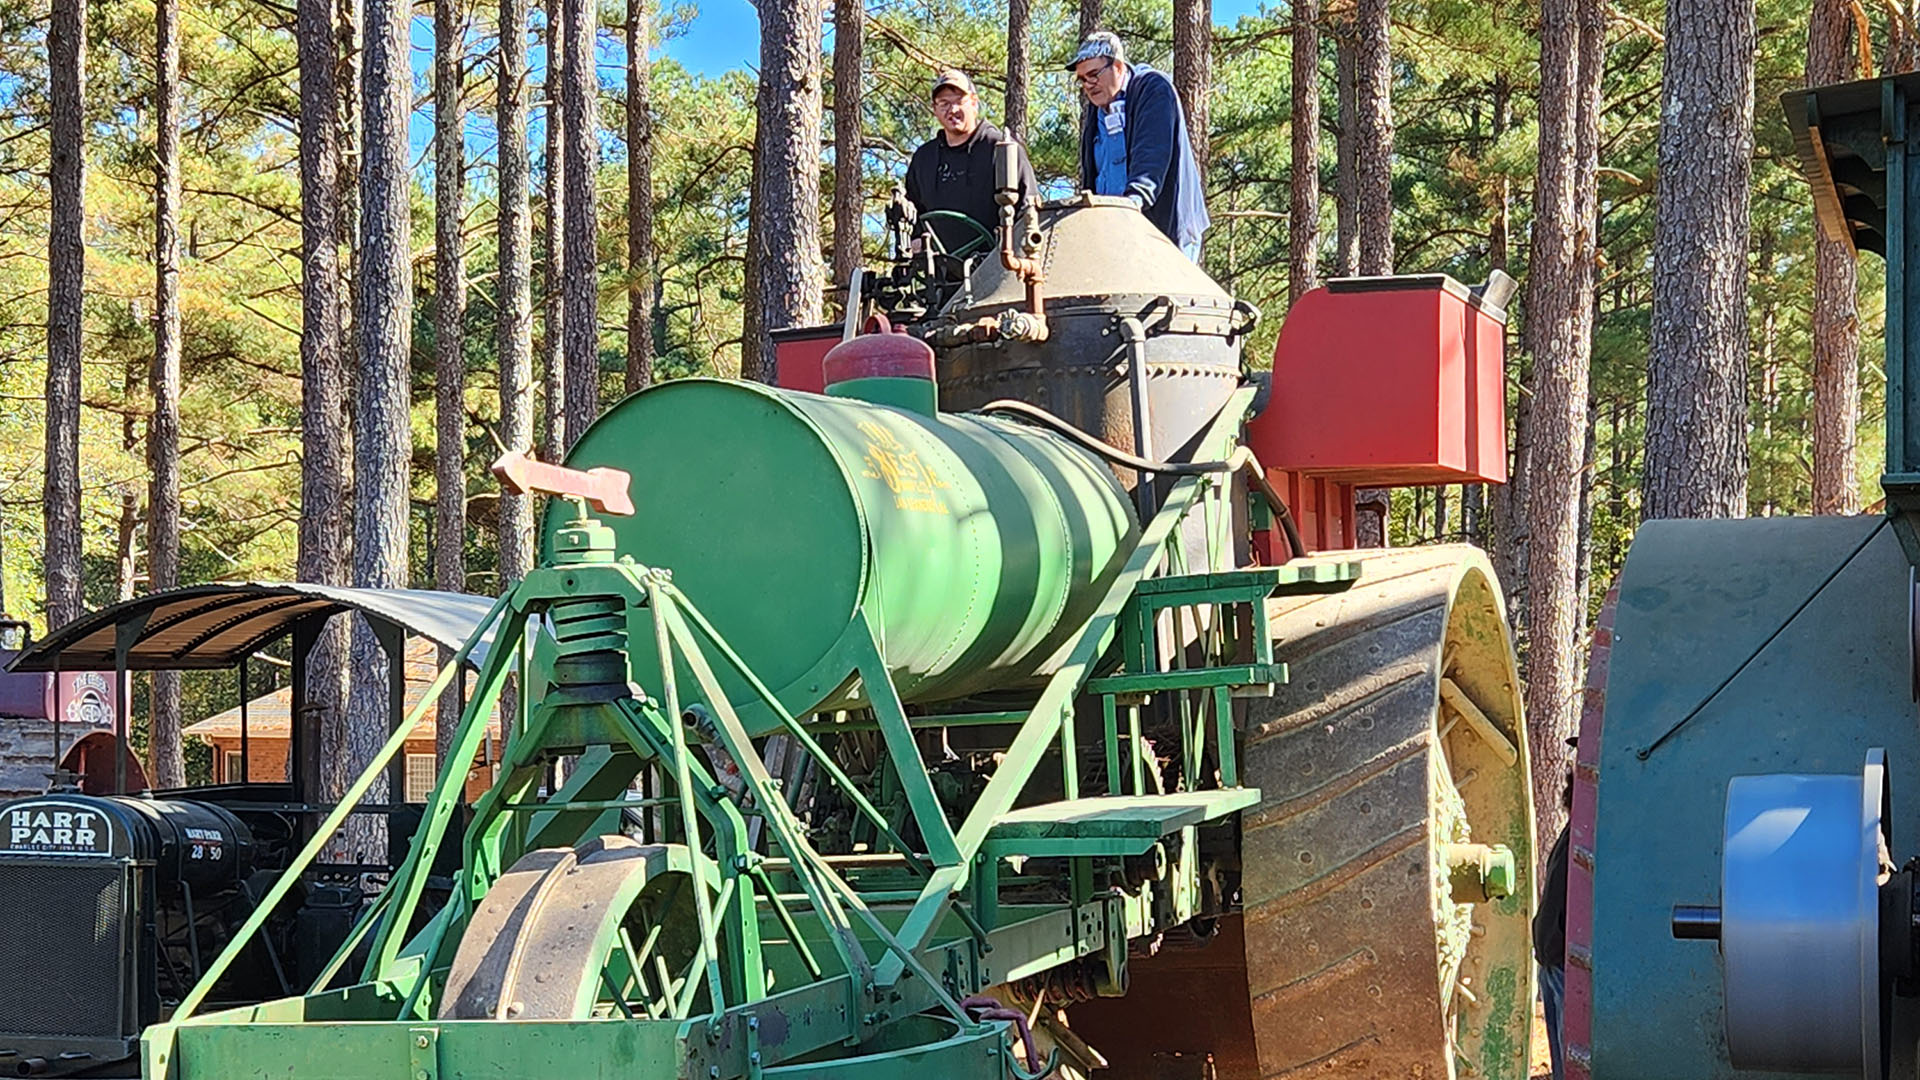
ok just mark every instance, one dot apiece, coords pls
pixel 1542 1061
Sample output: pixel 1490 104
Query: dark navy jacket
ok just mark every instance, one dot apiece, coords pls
pixel 1160 165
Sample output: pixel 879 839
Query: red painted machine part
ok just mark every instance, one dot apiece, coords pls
pixel 1576 1014
pixel 798 355
pixel 1322 511
pixel 1387 385
pixel 878 352
pixel 91 760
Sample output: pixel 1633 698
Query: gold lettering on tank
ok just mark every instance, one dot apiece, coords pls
pixel 915 486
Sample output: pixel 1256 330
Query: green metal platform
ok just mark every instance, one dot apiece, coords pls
pixel 1111 824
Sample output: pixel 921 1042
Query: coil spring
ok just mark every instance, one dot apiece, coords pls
pixel 1067 984
pixel 592 636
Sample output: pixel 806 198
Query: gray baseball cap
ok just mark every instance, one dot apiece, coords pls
pixel 1099 43
pixel 955 78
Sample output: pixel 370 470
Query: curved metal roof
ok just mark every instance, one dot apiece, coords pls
pixel 215 626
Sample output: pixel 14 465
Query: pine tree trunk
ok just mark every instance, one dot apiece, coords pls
pixel 1372 131
pixel 326 465
pixel 849 18
pixel 639 197
pixel 514 328
pixel 1559 340
pixel 449 331
pixel 787 144
pixel 383 444
pixel 1583 547
pixel 580 148
pixel 66 279
pixel 1586 145
pixel 348 32
pixel 126 555
pixel 1091 15
pixel 163 430
pixel 126 546
pixel 1479 508
pixel 1509 511
pixel 1346 195
pixel 1019 66
pixel 752 364
pixel 1500 230
pixel 1696 462
pixel 553 330
pixel 1193 71
pixel 1836 316
pixel 1303 206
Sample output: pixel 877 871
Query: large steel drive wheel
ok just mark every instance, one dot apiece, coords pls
pixel 1359 960
pixel 564 928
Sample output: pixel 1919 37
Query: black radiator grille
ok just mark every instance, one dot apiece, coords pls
pixel 62 953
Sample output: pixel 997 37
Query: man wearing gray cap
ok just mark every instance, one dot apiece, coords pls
pixel 1133 140
pixel 954 169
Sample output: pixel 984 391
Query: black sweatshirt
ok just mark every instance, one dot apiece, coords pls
pixel 943 177
pixel 1550 922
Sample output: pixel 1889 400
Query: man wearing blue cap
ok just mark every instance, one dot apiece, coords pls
pixel 1133 141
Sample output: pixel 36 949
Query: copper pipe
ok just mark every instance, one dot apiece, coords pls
pixel 1027 266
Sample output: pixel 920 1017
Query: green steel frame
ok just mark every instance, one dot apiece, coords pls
pixel 801 956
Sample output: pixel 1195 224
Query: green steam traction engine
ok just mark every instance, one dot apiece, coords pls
pixel 968 742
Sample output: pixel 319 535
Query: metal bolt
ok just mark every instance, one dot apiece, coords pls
pixel 754 1057
pixel 420 1041
pixel 753 1023
pixel 1480 872
pixel 1500 873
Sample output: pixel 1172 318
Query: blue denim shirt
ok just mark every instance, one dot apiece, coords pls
pixel 1110 150
pixel 1160 169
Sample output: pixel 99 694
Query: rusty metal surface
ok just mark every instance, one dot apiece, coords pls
pixel 1092 247
pixel 537 945
pixel 1103 260
pixel 1576 1013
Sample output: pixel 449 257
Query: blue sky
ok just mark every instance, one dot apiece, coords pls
pixel 718 36
pixel 726 33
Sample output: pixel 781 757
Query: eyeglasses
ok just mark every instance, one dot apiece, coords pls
pixel 1091 77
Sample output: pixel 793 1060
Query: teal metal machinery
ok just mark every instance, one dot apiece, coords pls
pixel 1774 655
pixel 838 509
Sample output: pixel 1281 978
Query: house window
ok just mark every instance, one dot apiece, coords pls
pixel 235 767
pixel 420 777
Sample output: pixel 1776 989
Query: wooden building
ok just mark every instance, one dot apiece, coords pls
pixel 267 742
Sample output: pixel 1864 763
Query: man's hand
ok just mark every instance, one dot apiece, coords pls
pixel 1139 203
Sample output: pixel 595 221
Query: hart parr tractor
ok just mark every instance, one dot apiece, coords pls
pixel 119 896
pixel 988 713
